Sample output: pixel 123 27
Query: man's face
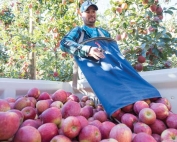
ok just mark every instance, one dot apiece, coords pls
pixel 89 16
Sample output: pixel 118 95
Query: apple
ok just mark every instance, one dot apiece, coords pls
pixel 168 64
pixel 116 113
pixel 27 134
pixel 19 113
pixel 10 99
pixel 60 95
pixel 33 101
pixel 159 10
pixel 60 138
pixel 44 96
pixel 99 107
pixel 70 108
pixel 22 102
pixel 73 97
pixel 96 123
pixel 169 135
pixel 86 111
pixel 84 98
pixel 119 10
pixel 171 121
pixel 119 116
pixel 101 116
pixel 83 121
pixel 9 124
pixel 32 122
pixel 141 59
pixel 71 126
pixel 158 126
pixel 127 108
pixel 145 2
pixel 82 104
pixel 160 109
pixel 124 6
pixel 139 67
pixel 48 131
pixel 52 115
pixel 143 137
pixel 156 137
pixel 57 104
pixel 29 112
pixel 90 103
pixel 105 129
pixel 148 101
pixel 164 101
pixel 109 140
pixel 147 116
pixel 153 7
pixel 90 133
pixel 129 119
pixel 4 105
pixel 42 105
pixel 33 92
pixel 121 133
pixel 118 37
pixel 139 105
pixel 141 127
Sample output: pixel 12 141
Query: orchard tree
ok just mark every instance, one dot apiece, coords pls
pixel 137 27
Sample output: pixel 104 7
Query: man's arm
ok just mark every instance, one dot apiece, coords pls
pixel 69 44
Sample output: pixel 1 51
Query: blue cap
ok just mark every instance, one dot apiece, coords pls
pixel 86 5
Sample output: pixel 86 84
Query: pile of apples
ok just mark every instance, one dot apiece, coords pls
pixel 64 117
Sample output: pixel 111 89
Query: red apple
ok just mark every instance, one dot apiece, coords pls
pixel 141 59
pixel 119 10
pixel 84 122
pixel 90 103
pixel 57 104
pixel 10 99
pixel 116 113
pixel 29 112
pixel 9 124
pixel 128 108
pixel 159 10
pixel 60 138
pixel 60 95
pixel 147 116
pixel 143 137
pixel 118 37
pixel 169 135
pixel 109 140
pixel 33 92
pixel 139 127
pixel 44 96
pixel 42 105
pixel 71 126
pixel 22 102
pixel 4 105
pixel 139 105
pixel 27 134
pixel 86 111
pixel 19 113
pixel 84 98
pixel 121 133
pixel 73 97
pixel 33 101
pixel 101 116
pixel 52 115
pixel 156 137
pixel 160 109
pixel 171 121
pixel 90 133
pixel 105 129
pixel 99 107
pixel 48 131
pixel 139 67
pixel 32 122
pixel 164 101
pixel 129 119
pixel 153 7
pixel 70 108
pixel 158 126
pixel 96 123
pixel 119 116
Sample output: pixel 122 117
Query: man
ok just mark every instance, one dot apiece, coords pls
pixel 71 42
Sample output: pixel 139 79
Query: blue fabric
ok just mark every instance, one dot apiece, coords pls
pixel 114 81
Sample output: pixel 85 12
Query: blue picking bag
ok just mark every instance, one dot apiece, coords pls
pixel 114 81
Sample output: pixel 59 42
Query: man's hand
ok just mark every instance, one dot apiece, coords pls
pixel 96 53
